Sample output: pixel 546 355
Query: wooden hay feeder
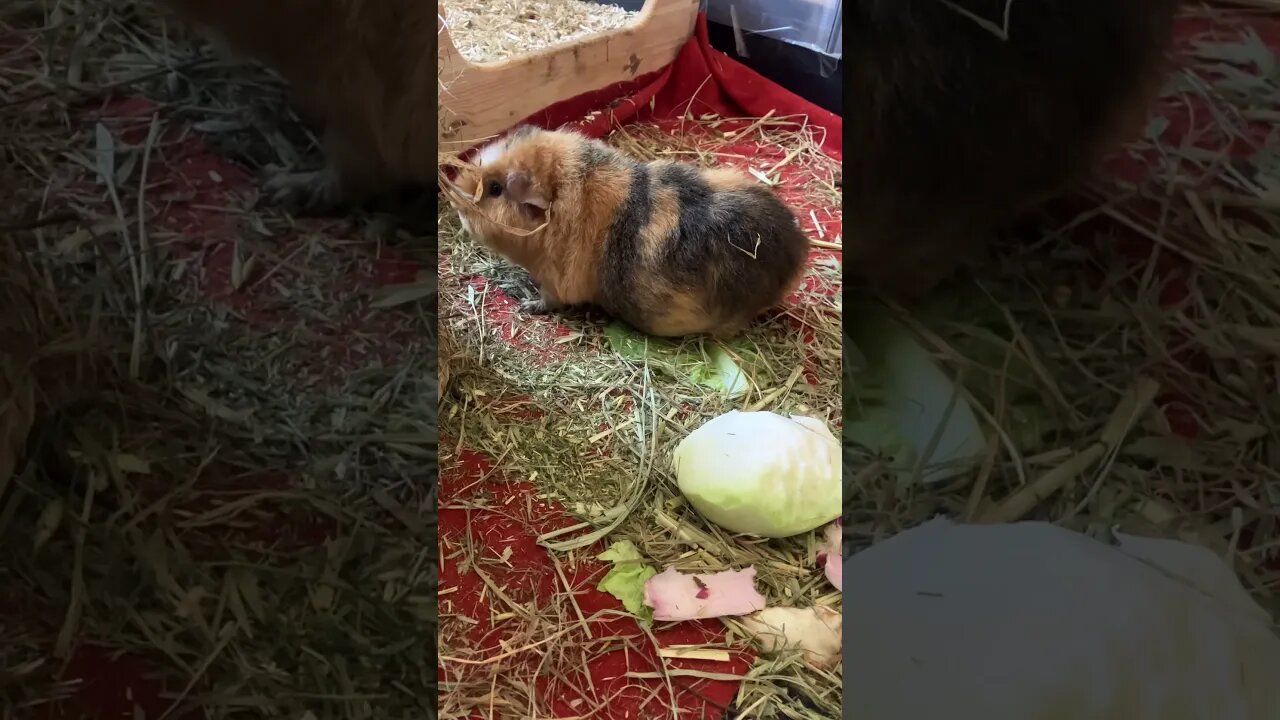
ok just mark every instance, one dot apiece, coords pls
pixel 481 100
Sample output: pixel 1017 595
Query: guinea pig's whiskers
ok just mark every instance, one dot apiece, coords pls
pixel 459 198
pixel 517 231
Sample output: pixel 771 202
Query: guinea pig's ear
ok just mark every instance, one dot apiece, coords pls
pixel 521 189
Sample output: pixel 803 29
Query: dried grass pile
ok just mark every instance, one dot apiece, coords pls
pixel 237 516
pixel 46 360
pixel 598 431
pixel 17 382
pixel 1124 362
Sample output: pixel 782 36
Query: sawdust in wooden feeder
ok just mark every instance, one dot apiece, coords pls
pixel 488 31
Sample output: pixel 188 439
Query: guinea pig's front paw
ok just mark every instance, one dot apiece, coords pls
pixel 535 306
pixel 313 193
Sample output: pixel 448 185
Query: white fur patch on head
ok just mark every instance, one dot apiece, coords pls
pixel 490 153
pixel 466 226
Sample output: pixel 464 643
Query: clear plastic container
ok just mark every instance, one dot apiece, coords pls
pixel 811 24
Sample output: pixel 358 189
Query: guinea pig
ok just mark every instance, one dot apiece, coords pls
pixel 960 123
pixel 671 249
pixel 363 68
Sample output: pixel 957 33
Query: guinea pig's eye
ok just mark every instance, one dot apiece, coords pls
pixel 494 189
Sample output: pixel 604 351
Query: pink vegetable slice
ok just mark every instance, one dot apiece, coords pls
pixel 675 596
pixel 829 558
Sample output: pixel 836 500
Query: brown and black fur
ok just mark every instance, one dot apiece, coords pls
pixel 670 249
pixel 361 68
pixel 953 132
